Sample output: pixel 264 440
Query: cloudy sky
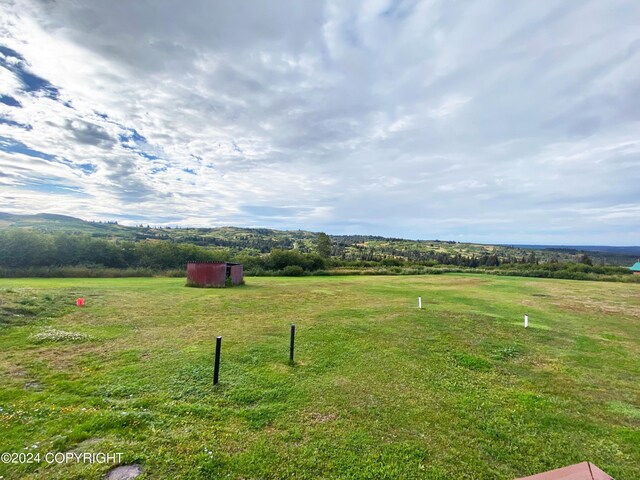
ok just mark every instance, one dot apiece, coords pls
pixel 486 121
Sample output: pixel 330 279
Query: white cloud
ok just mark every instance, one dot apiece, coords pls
pixel 492 121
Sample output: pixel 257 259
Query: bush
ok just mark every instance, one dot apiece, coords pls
pixel 258 272
pixel 177 273
pixel 280 259
pixel 293 271
pixel 391 262
pixel 78 272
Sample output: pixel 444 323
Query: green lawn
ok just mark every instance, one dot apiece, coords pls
pixel 380 389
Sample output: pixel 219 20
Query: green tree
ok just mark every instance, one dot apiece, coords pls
pixel 323 245
pixel 586 259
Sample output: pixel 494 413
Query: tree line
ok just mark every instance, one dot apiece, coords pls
pixel 27 248
pixel 23 250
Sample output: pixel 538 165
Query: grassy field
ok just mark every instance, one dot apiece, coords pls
pixel 380 389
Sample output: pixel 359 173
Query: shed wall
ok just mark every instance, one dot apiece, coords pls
pixel 207 274
pixel 237 272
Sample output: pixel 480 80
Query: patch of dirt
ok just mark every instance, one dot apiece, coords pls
pixel 16 372
pixel 529 302
pixel 586 305
pixel 341 382
pixel 551 365
pixel 124 472
pixel 317 417
pixel 454 283
pixel 35 386
pixel 66 357
pixel 280 367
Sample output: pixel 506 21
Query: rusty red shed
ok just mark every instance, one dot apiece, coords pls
pixel 214 274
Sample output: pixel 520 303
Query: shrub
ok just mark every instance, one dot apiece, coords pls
pixel 293 271
pixel 391 262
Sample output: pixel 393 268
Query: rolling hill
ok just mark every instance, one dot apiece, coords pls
pixel 263 240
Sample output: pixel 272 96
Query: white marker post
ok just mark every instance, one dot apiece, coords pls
pixel 420 303
pixel 526 320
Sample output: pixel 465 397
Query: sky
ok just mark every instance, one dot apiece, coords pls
pixel 484 121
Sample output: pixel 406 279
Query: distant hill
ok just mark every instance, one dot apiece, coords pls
pixel 359 247
pixel 49 222
pixel 630 250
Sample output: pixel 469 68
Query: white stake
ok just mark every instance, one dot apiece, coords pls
pixel 526 320
pixel 420 303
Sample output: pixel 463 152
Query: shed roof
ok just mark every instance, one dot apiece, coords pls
pixel 579 471
pixel 635 267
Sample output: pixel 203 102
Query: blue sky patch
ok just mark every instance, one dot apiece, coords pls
pixel 148 156
pixel 267 211
pixel 13 123
pixel 9 52
pixel 13 146
pixel 31 82
pixel 87 168
pixel 131 136
pixel 10 101
pixel 49 187
pixel 34 83
pixel 134 141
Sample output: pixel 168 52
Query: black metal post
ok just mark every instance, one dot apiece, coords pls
pixel 216 367
pixel 291 344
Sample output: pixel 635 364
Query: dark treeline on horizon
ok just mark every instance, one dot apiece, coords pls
pixel 24 249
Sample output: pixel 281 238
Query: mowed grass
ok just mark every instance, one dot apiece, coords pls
pixel 380 389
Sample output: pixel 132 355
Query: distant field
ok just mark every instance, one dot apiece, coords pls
pixel 459 390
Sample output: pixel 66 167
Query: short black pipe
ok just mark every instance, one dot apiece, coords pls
pixel 216 367
pixel 292 342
